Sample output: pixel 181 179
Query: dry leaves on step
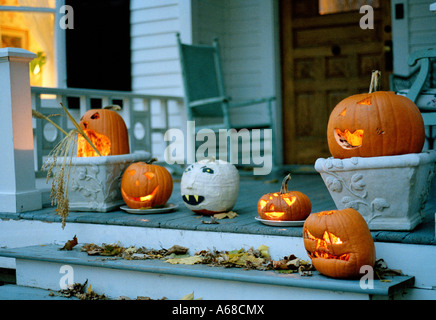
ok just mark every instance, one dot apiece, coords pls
pixel 292 264
pixel 255 259
pixel 190 296
pixel 230 215
pixel 382 271
pixel 70 244
pixel 185 260
pixel 82 292
pixel 132 253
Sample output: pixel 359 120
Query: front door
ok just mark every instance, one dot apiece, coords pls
pixel 326 57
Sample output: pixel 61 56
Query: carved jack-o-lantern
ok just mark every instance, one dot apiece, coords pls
pixel 210 186
pixel 338 242
pixel 378 123
pixel 107 130
pixel 145 185
pixel 284 205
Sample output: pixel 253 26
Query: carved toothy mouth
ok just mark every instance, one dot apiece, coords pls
pixel 144 198
pixel 193 200
pixel 348 139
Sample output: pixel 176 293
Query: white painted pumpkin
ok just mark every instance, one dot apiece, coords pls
pixel 210 186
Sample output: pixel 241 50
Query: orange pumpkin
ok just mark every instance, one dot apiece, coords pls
pixel 106 123
pixel 284 205
pixel 375 124
pixel 146 185
pixel 338 242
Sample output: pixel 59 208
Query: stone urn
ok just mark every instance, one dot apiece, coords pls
pixel 95 181
pixel 390 192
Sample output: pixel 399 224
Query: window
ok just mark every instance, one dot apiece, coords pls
pixel 29 24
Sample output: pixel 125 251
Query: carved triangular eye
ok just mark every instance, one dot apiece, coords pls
pixel 95 116
pixel 149 175
pixel 132 172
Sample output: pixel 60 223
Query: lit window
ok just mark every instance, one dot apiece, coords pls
pixel 31 26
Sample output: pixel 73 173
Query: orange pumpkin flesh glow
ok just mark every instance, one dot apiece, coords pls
pixel 103 125
pixel 100 141
pixel 338 242
pixel 284 205
pixel 145 185
pixel 375 124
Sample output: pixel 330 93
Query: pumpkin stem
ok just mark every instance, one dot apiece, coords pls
pixel 113 107
pixel 375 81
pixel 151 161
pixel 284 188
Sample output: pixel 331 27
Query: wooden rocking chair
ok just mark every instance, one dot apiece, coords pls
pixel 424 97
pixel 206 101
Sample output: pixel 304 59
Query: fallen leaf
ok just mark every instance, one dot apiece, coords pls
pixel 176 249
pixel 213 220
pixel 185 260
pixel 70 244
pixel 189 296
pixel 230 215
pixel 264 251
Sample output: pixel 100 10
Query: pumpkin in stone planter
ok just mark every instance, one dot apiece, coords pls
pixel 210 186
pixel 338 242
pixel 103 127
pixel 146 185
pixel 378 123
pixel 284 205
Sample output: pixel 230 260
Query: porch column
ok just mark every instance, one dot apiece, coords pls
pixel 17 173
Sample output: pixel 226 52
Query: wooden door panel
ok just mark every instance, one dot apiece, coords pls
pixel 324 60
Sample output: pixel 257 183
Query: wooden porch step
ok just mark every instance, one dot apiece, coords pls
pixel 45 267
pixel 15 292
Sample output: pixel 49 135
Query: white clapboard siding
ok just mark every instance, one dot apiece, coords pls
pixel 247 64
pixel 415 32
pixel 422 25
pixel 155 67
pixel 244 29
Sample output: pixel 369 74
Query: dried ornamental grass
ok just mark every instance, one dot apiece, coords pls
pixel 61 173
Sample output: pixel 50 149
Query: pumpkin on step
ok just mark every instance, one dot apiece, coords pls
pixel 284 205
pixel 105 125
pixel 146 185
pixel 338 242
pixel 210 186
pixel 378 123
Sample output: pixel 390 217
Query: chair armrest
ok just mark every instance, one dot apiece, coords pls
pixel 203 102
pixel 251 102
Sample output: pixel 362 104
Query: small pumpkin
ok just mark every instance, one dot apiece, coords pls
pixel 146 185
pixel 338 242
pixel 106 123
pixel 378 123
pixel 210 186
pixel 284 205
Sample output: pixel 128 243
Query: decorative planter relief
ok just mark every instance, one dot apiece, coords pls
pixel 390 192
pixel 95 181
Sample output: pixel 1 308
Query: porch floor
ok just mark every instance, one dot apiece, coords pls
pixel 251 189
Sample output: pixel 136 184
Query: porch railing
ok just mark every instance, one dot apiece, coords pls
pixel 138 110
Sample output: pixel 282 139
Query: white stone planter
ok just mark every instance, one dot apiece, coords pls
pixel 390 192
pixel 95 182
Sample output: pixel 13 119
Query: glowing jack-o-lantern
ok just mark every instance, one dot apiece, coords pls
pixel 146 185
pixel 284 205
pixel 107 131
pixel 379 123
pixel 338 242
pixel 210 186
